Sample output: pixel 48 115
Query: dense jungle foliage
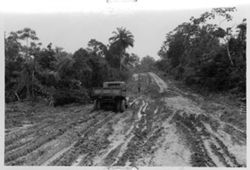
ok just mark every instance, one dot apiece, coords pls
pixel 201 52
pixel 32 71
pixel 204 54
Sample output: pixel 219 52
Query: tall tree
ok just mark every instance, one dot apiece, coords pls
pixel 120 41
pixel 29 36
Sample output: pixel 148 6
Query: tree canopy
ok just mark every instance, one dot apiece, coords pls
pixel 203 53
pixel 51 72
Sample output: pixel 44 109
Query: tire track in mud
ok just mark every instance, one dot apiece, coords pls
pixel 87 143
pixel 205 146
pixel 148 130
pixel 166 148
pixel 194 140
pixel 207 149
pixel 68 141
pixel 158 129
pixel 46 135
pixel 221 147
pixel 100 137
pixel 122 134
pixel 19 139
pixel 23 133
pixel 142 137
pixel 62 143
pixel 163 119
pixel 31 158
pixel 57 155
pixel 213 150
pixel 122 128
pixel 34 134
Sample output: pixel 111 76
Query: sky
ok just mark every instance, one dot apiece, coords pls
pixel 72 31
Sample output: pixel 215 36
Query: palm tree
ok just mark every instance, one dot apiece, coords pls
pixel 122 39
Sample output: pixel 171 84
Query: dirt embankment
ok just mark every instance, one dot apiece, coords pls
pixel 162 127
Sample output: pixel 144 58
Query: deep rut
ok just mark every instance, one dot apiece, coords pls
pixel 161 127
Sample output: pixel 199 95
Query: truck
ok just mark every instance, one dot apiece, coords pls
pixel 112 94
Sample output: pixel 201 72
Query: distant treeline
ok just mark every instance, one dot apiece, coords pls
pixel 32 71
pixel 199 52
pixel 203 53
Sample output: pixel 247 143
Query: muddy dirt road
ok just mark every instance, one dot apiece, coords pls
pixel 164 126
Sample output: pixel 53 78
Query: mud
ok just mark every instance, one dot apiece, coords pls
pixel 163 126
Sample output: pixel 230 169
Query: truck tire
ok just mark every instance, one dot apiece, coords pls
pixel 97 105
pixel 118 105
pixel 126 104
pixel 123 105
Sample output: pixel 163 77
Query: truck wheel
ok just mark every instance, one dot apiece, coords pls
pixel 126 104
pixel 118 105
pixel 123 105
pixel 97 105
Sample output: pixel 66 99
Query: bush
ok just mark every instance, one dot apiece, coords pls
pixel 66 96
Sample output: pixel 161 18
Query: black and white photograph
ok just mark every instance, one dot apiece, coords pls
pixel 126 88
